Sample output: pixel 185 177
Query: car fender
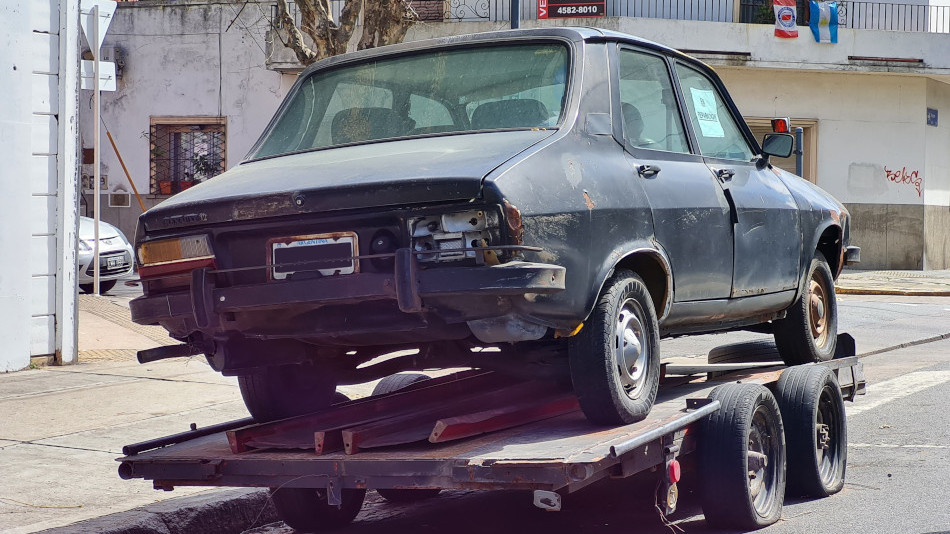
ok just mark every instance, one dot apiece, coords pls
pixel 646 259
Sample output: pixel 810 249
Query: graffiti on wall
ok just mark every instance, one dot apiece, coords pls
pixel 902 176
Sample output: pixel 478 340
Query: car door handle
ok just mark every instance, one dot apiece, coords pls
pixel 725 175
pixel 648 171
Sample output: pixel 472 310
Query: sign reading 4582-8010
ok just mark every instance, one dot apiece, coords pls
pixel 557 9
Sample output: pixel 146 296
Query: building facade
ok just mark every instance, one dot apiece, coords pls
pixel 200 79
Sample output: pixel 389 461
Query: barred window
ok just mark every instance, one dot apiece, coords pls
pixel 185 151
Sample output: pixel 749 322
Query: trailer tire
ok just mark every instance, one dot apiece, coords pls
pixel 760 350
pixel 388 385
pixel 742 450
pixel 615 359
pixel 809 332
pixel 282 391
pixel 816 430
pixel 307 510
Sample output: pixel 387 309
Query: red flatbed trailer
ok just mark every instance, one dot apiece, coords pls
pixel 552 457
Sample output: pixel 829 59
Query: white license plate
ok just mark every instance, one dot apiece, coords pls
pixel 327 254
pixel 112 263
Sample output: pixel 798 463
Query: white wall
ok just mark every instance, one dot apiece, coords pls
pixel 937 163
pixel 16 125
pixel 867 125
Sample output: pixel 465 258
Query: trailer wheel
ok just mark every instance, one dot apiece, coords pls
pixel 615 359
pixel 816 430
pixel 742 450
pixel 388 385
pixel 281 391
pixel 307 510
pixel 809 332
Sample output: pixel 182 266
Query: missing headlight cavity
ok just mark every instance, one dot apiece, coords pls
pixel 446 234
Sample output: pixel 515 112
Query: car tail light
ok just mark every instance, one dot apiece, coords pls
pixel 174 256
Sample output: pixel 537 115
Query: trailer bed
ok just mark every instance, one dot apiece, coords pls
pixel 562 454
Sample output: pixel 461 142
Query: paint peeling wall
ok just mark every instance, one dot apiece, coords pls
pixel 189 59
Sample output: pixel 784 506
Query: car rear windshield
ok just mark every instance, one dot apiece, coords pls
pixel 435 92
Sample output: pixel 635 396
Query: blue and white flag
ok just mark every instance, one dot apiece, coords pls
pixel 823 20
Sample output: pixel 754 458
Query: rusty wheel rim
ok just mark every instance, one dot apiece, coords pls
pixel 817 311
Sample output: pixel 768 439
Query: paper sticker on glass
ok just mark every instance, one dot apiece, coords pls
pixel 704 101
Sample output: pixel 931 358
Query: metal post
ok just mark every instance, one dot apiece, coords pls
pixel 799 141
pixel 95 161
pixel 515 14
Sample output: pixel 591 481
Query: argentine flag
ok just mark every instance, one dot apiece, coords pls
pixel 823 21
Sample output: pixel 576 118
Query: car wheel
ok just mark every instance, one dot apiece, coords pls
pixel 282 391
pixel 809 332
pixel 816 430
pixel 742 450
pixel 388 385
pixel 307 509
pixel 615 359
pixel 104 286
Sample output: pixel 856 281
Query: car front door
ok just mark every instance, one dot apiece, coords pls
pixel 768 239
pixel 691 215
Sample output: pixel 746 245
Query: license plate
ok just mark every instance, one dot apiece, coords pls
pixel 112 263
pixel 327 254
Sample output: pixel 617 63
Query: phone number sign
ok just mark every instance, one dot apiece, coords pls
pixel 561 9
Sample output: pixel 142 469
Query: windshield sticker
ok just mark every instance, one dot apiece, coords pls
pixel 704 101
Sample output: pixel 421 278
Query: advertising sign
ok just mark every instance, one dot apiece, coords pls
pixel 562 9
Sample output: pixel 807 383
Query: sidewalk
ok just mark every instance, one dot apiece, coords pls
pixel 61 428
pixel 909 283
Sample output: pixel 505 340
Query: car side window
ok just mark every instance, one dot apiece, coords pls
pixel 648 105
pixel 716 129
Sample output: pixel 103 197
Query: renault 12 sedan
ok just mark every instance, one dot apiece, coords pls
pixel 546 202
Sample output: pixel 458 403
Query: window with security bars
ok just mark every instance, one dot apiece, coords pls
pixel 185 151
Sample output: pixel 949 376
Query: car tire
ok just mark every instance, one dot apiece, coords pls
pixel 816 430
pixel 388 385
pixel 742 451
pixel 809 332
pixel 282 391
pixel 307 509
pixel 615 358
pixel 104 286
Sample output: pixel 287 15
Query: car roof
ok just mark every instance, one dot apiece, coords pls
pixel 574 34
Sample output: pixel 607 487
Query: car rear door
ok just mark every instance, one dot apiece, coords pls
pixel 691 214
pixel 768 239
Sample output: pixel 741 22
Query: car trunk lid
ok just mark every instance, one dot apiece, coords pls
pixel 384 174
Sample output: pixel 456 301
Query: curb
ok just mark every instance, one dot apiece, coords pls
pixel 893 292
pixel 218 512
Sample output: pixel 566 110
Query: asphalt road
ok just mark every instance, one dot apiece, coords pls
pixel 898 473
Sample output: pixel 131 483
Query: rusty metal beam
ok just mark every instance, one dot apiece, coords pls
pixel 465 426
pixel 432 391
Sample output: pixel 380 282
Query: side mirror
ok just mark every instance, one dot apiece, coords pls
pixel 779 145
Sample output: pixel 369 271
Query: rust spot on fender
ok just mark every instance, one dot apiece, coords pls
pixel 515 226
pixel 588 201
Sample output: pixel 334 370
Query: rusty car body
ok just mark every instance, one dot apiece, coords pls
pixel 548 202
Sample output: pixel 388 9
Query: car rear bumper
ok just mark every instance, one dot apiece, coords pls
pixel 456 294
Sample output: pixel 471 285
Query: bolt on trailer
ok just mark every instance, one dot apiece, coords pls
pixel 751 425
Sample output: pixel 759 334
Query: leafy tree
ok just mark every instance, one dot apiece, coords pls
pixel 384 22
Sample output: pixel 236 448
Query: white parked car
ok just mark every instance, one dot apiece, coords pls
pixel 115 255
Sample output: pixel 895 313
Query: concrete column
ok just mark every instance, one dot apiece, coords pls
pixel 16 127
pixel 67 224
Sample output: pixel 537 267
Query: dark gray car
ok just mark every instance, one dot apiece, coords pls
pixel 546 202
